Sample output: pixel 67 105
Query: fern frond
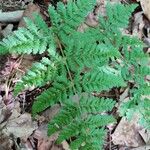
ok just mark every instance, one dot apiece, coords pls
pixel 41 24
pixel 114 17
pixel 77 119
pixel 38 75
pixel 59 91
pixel 29 40
pixel 95 140
pixel 66 18
pixel 103 79
pixel 3 50
pixel 145 111
pixel 91 105
pixel 89 55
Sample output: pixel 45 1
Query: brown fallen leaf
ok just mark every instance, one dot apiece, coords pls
pixel 145 147
pixel 8 30
pixel 138 24
pixel 145 134
pixel 48 143
pixel 50 113
pixel 45 142
pixel 127 133
pixel 91 20
pixel 5 142
pixel 145 4
pixel 31 8
pixel 22 126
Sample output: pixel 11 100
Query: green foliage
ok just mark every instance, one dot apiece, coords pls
pixel 35 38
pixel 38 75
pixel 93 61
pixel 82 119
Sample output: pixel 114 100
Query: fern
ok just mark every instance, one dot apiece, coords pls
pixel 93 61
pixel 33 39
pixel 38 75
pixel 83 119
pixel 61 89
pixel 102 79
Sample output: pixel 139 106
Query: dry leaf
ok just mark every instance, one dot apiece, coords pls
pixel 31 8
pixel 138 25
pixel 51 112
pixel 91 20
pixel 124 95
pixel 146 147
pixel 146 7
pixel 5 142
pixel 8 30
pixel 127 133
pixel 22 126
pixel 145 134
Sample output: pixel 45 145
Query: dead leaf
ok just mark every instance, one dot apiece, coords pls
pixel 124 95
pixel 50 113
pixel 31 8
pixel 145 4
pixel 22 126
pixel 5 142
pixel 45 142
pixel 127 133
pixel 146 147
pixel 5 112
pixel 8 30
pixel 145 134
pixel 65 145
pixel 138 24
pixel 91 20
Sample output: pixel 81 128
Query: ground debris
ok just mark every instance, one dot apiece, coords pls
pixel 127 133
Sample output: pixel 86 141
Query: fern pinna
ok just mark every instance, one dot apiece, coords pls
pixel 79 64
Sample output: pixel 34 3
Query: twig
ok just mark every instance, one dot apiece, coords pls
pixel 11 75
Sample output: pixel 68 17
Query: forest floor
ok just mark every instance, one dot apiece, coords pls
pixel 18 131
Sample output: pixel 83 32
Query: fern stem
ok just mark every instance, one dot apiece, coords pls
pixel 69 73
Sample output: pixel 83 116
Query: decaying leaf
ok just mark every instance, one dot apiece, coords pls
pixel 21 126
pixel 146 147
pixel 145 134
pixel 127 133
pixel 5 142
pixel 44 142
pixel 146 7
pixel 138 24
pixel 28 13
